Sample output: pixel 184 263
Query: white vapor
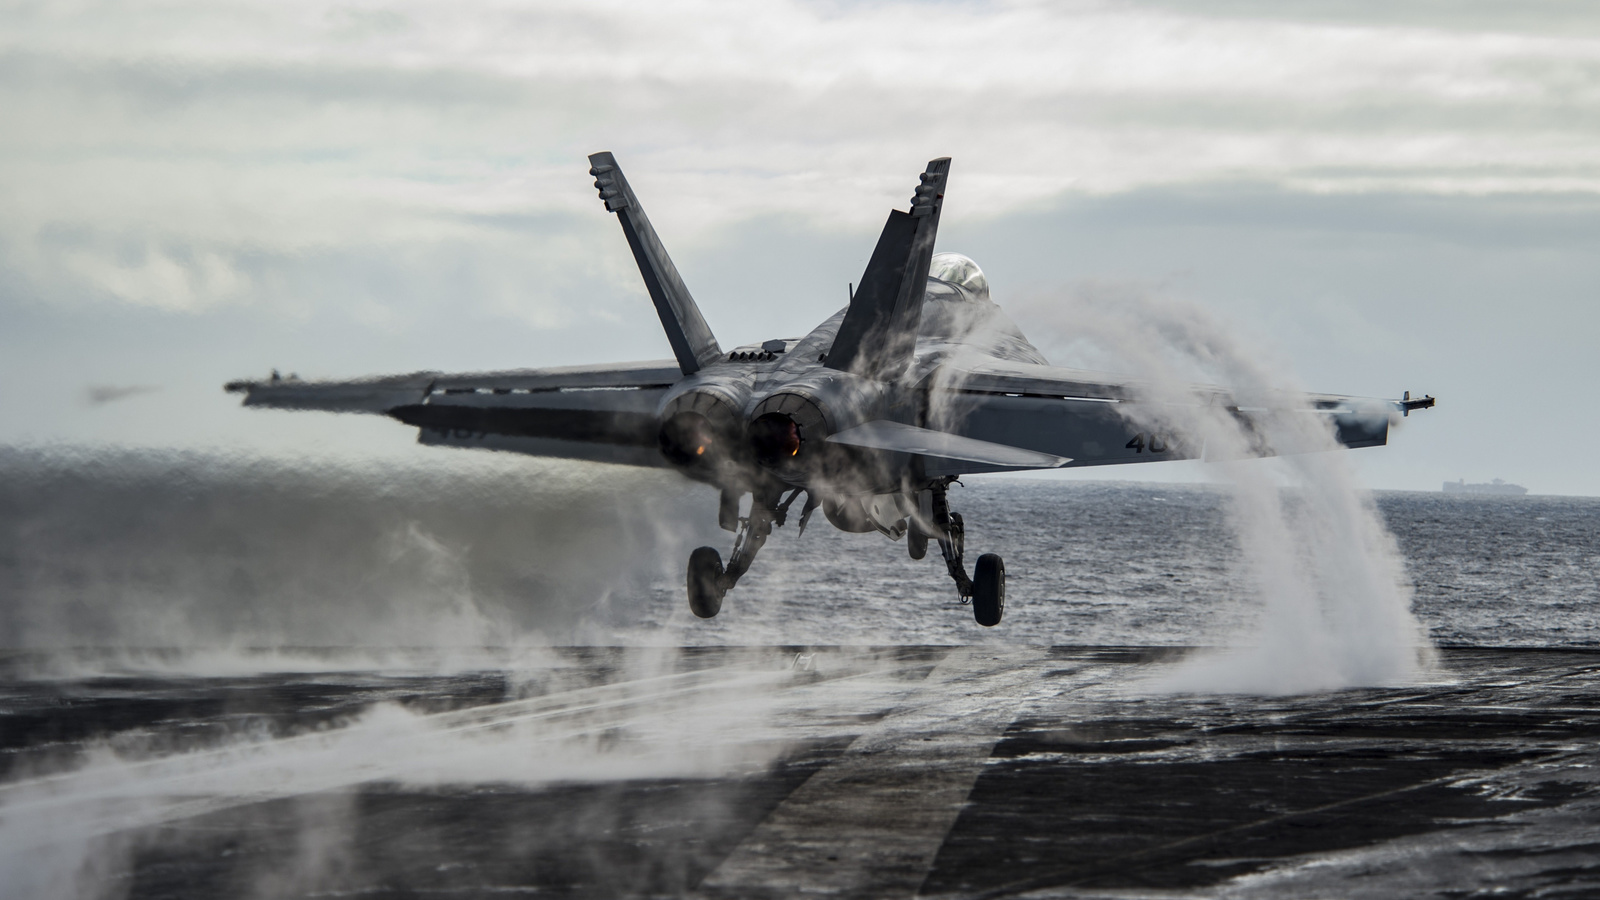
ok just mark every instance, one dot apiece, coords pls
pixel 1334 598
pixel 74 830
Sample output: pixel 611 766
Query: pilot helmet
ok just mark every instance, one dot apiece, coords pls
pixel 961 271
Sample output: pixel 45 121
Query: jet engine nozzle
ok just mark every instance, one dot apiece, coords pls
pixel 689 439
pixel 702 436
pixel 788 433
pixel 776 439
pixel 789 430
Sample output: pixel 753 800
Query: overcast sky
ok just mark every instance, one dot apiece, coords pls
pixel 1394 195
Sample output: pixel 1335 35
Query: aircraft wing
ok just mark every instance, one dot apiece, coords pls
pixel 599 413
pixel 1090 418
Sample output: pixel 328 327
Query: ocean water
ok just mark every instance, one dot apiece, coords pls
pixel 241 677
pixel 1128 563
pixel 126 550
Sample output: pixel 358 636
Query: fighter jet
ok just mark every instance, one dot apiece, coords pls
pixel 871 417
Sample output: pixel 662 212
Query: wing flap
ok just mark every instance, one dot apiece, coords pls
pixel 600 426
pixel 613 425
pixel 652 373
pixel 615 454
pixel 1007 377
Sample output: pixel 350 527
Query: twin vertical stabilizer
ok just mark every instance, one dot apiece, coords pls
pixel 879 332
pixel 692 341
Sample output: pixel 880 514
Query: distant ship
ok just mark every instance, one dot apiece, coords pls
pixel 1496 486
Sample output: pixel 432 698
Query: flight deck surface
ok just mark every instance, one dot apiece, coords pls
pixel 979 771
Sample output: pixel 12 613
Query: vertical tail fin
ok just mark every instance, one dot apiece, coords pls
pixel 691 338
pixel 879 332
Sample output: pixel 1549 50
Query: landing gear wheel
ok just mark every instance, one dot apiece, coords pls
pixel 989 590
pixel 916 543
pixel 705 582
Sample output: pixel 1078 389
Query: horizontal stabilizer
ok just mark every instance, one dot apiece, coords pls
pixel 902 438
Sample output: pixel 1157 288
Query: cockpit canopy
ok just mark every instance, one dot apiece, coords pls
pixel 957 310
pixel 961 271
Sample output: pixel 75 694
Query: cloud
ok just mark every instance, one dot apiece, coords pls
pixel 191 136
pixel 192 191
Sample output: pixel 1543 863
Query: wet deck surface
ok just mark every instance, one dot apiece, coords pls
pixel 969 772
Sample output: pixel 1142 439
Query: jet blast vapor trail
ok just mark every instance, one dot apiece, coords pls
pixel 710 721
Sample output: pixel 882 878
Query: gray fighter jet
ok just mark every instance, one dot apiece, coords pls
pixel 871 416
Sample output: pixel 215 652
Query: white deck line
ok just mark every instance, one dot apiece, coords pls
pixel 871 824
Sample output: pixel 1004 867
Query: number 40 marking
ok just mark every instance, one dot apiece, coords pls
pixel 1141 442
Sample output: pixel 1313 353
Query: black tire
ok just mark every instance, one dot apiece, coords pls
pixel 916 543
pixel 705 582
pixel 989 590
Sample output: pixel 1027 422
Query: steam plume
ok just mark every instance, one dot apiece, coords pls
pixel 1334 599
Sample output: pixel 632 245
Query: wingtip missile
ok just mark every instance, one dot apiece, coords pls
pixel 1407 404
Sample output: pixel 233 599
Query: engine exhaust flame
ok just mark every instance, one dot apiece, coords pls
pixel 775 437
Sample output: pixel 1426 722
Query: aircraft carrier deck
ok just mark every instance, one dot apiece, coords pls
pixel 782 772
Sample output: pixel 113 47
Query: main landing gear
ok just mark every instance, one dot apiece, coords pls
pixel 986 590
pixel 989 590
pixel 709 580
